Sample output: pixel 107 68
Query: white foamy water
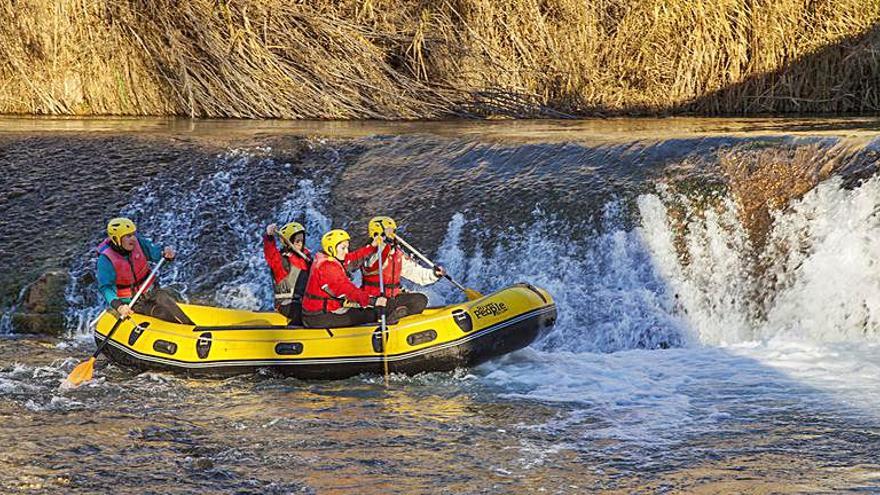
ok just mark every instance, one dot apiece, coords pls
pixel 608 294
pixel 817 279
pixel 831 285
pixel 809 342
pixel 661 397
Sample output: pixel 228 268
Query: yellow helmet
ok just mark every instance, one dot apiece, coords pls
pixel 332 239
pixel 288 231
pixel 379 224
pixel 119 228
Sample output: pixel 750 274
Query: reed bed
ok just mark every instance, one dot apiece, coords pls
pixel 409 59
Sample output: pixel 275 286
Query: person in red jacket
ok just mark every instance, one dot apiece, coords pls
pixel 331 299
pixel 290 268
pixel 396 265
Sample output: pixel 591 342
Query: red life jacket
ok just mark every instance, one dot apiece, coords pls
pixel 131 271
pixel 316 299
pixel 391 269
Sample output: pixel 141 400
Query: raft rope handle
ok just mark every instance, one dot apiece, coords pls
pixel 215 339
pixel 336 336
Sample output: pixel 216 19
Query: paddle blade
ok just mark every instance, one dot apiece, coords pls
pixel 472 294
pixel 81 374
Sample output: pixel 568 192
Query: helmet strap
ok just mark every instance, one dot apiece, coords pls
pixel 336 251
pixel 118 247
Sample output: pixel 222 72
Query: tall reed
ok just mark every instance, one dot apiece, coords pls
pixel 413 59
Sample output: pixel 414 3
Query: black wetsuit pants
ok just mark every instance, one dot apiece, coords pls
pixel 350 318
pixel 160 304
pixel 405 304
pixel 414 302
pixel 293 312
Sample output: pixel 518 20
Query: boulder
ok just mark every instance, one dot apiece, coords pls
pixel 42 308
pixel 49 324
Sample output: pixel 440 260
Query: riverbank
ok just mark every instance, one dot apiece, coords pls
pixel 403 59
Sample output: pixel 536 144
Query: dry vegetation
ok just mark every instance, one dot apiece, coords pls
pixel 398 59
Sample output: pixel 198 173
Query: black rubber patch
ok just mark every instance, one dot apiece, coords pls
pixel 463 320
pixel 288 348
pixel 421 337
pixel 165 347
pixel 377 340
pixel 203 345
pixel 136 333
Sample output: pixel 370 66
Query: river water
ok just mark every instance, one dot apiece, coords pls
pixel 717 283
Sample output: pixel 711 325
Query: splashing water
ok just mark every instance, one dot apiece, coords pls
pixel 822 279
pixel 809 340
pixel 830 283
pixel 653 286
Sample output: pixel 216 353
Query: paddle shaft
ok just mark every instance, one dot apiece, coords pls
pixel 384 326
pixel 427 261
pixel 133 300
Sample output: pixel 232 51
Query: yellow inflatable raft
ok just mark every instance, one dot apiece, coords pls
pixel 228 341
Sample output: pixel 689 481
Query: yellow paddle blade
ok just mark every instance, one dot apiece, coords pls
pixel 472 294
pixel 82 373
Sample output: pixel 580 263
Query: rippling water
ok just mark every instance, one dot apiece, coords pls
pixel 718 293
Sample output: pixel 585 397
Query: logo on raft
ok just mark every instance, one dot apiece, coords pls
pixel 491 309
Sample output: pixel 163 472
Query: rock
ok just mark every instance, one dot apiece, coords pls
pixel 51 324
pixel 46 295
pixel 42 307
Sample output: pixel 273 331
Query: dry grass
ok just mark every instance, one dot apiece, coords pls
pixel 395 59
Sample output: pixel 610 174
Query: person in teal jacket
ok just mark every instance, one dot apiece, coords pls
pixel 124 267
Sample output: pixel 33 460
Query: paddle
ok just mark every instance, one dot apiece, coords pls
pixel 380 248
pixel 470 293
pixel 83 371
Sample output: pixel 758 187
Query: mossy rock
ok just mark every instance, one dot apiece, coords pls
pixel 46 294
pixel 36 323
pixel 42 307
